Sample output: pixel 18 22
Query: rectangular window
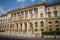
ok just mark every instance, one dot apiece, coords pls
pixel 50 25
pixel 21 27
pixel 50 29
pixel 41 14
pixel 49 14
pixel 36 12
pixel 25 27
pixel 31 25
pixel 57 28
pixel 11 15
pixel 36 24
pixel 30 12
pixel 57 25
pixel 35 30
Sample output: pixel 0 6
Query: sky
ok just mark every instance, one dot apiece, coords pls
pixel 8 5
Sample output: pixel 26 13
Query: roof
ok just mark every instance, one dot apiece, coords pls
pixel 50 4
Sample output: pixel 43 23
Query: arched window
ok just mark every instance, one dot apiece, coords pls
pixel 36 24
pixel 49 14
pixel 50 24
pixel 55 13
pixel 31 25
pixel 42 24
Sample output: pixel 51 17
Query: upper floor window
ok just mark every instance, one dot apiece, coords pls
pixel 54 7
pixel 55 13
pixel 31 14
pixel 25 26
pixel 36 12
pixel 21 15
pixel 48 8
pixel 49 14
pixel 57 23
pixel 15 14
pixel 41 14
pixel 42 23
pixel 11 15
pixel 31 25
pixel 36 24
pixel 50 25
pixel 42 29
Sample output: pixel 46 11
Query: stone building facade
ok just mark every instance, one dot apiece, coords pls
pixel 32 19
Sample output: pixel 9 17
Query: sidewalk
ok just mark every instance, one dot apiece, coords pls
pixel 16 34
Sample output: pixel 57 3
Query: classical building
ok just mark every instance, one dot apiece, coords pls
pixel 32 19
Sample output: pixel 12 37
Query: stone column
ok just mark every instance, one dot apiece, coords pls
pixel 28 15
pixel 18 27
pixel 28 27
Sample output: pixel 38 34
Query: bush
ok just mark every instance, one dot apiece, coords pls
pixel 51 32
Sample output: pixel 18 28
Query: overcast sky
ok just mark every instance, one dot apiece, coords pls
pixel 7 5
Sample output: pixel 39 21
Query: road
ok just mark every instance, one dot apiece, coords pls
pixel 25 38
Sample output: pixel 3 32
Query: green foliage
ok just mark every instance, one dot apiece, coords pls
pixel 51 32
